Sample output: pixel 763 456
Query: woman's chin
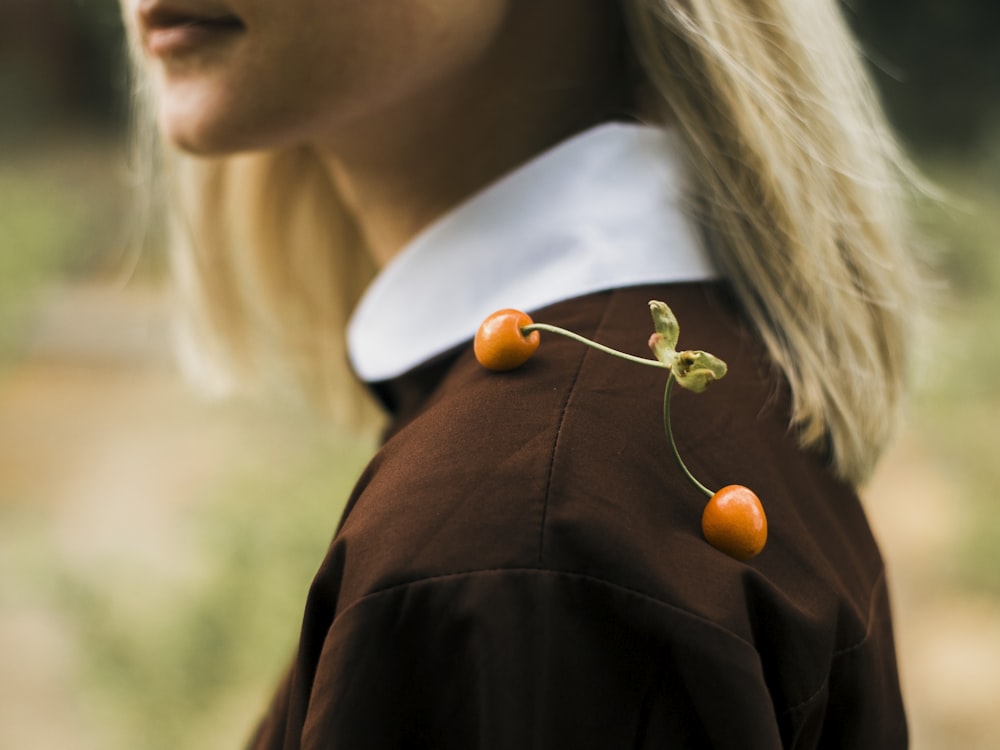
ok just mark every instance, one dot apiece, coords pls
pixel 219 126
pixel 204 136
pixel 199 146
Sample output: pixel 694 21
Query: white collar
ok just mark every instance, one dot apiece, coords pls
pixel 599 211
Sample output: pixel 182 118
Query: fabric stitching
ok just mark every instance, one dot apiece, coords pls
pixel 811 698
pixel 824 685
pixel 559 427
pixel 557 573
pixel 872 600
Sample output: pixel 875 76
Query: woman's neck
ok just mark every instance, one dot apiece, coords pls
pixel 548 76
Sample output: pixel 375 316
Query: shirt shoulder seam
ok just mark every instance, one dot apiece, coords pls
pixel 564 574
pixel 560 422
pixel 879 583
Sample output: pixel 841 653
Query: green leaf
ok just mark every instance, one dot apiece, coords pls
pixel 663 342
pixel 695 370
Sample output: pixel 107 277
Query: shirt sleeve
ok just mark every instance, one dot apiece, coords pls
pixel 498 660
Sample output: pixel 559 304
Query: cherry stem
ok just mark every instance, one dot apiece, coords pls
pixel 593 344
pixel 670 437
pixel 525 330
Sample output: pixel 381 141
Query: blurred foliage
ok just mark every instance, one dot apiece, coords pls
pixel 63 213
pixel 39 226
pixel 61 67
pixel 62 111
pixel 958 407
pixel 937 65
pixel 187 655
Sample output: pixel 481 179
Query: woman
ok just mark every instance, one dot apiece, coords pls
pixel 521 565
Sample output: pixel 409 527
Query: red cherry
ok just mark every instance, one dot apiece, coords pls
pixel 734 522
pixel 500 345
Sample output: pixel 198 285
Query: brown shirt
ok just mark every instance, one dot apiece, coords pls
pixel 521 565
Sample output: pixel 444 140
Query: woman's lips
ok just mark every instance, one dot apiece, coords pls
pixel 169 32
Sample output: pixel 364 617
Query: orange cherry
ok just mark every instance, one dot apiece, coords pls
pixel 734 522
pixel 500 344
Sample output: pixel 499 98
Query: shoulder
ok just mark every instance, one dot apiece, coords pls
pixel 529 658
pixel 477 466
pixel 608 665
pixel 548 498
pixel 563 464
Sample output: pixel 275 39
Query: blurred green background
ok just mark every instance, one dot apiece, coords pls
pixel 155 549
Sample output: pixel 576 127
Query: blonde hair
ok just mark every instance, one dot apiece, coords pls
pixel 268 266
pixel 795 176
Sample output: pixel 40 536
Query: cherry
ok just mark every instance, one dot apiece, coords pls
pixel 734 522
pixel 500 344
